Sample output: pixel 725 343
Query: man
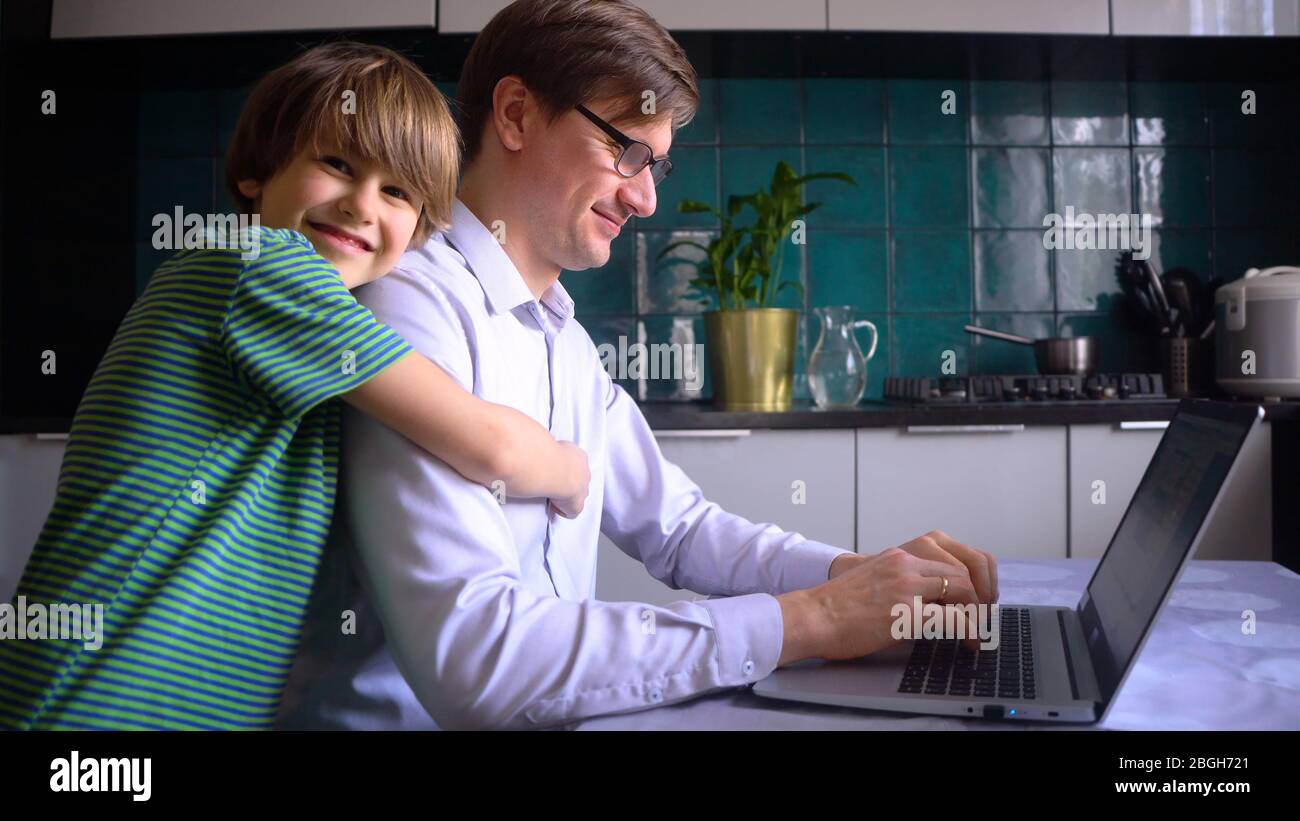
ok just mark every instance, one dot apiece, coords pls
pixel 442 607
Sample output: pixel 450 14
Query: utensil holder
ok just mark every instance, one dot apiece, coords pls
pixel 1187 364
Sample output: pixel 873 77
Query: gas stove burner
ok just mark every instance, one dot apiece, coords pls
pixel 944 390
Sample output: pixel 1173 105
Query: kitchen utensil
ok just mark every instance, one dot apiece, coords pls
pixel 1206 306
pixel 1158 297
pixel 1053 355
pixel 1136 285
pixel 1131 280
pixel 837 368
pixel 1180 300
pixel 1257 333
pixel 1198 310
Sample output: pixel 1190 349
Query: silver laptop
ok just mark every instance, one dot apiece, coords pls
pixel 1057 663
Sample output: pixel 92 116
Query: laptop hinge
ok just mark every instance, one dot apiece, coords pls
pixel 1069 659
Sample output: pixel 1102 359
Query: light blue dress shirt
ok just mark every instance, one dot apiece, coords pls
pixel 438 606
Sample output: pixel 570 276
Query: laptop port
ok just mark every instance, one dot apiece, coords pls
pixel 993 711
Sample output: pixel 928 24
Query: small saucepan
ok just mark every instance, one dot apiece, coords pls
pixel 1055 355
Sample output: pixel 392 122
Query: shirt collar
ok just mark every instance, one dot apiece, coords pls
pixel 487 260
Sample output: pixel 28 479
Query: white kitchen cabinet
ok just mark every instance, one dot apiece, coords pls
pixel 738 15
pixel 1206 18
pixel 752 474
pixel 467 16
pixel 470 16
pixel 1242 527
pixel 1000 488
pixel 1115 456
pixel 136 18
pixel 29 475
pixel 1007 16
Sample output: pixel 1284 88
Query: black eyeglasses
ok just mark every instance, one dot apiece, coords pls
pixel 635 156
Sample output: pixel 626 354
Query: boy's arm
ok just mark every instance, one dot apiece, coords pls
pixel 289 322
pixel 482 441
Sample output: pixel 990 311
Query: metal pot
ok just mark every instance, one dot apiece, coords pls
pixel 1054 355
pixel 751 357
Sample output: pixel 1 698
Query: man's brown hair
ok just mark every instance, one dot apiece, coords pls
pixel 401 122
pixel 574 51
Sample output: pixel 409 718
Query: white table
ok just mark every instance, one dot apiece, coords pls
pixel 1197 672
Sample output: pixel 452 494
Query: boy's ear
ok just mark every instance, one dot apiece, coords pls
pixel 250 188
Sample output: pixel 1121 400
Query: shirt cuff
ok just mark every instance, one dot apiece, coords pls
pixel 749 631
pixel 808 564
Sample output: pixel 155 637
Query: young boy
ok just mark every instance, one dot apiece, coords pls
pixel 197 487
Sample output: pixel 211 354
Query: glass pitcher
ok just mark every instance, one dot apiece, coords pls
pixel 837 370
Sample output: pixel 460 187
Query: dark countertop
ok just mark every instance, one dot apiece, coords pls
pixel 872 414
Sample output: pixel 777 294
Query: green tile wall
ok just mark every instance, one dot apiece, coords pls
pixel 945 225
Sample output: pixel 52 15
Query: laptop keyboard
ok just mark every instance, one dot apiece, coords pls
pixel 945 667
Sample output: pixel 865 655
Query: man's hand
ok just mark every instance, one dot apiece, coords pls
pixel 981 567
pixel 937 545
pixel 845 562
pixel 851 614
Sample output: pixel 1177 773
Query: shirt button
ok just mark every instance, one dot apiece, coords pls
pixel 749 668
pixel 656 696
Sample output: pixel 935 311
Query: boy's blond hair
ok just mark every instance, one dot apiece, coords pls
pixel 401 122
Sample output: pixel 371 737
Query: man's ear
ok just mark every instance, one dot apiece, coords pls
pixel 511 105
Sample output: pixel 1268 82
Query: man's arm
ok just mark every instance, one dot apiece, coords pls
pixel 478 647
pixel 657 515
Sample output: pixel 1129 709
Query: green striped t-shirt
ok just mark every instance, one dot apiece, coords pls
pixel 195 496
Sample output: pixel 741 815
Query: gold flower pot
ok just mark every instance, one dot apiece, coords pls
pixel 751 356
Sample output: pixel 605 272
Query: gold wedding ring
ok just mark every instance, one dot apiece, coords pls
pixel 943 592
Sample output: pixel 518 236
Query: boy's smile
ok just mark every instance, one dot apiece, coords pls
pixel 356 214
pixel 345 241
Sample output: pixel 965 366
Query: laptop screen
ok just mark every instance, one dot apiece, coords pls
pixel 1157 531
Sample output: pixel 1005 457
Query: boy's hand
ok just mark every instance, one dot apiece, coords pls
pixel 577 475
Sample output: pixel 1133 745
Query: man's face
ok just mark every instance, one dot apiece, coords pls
pixel 576 196
pixel 356 214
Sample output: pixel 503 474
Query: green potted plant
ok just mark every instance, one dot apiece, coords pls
pixel 751 344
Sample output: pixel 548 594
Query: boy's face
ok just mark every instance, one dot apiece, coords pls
pixel 356 214
pixel 579 198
